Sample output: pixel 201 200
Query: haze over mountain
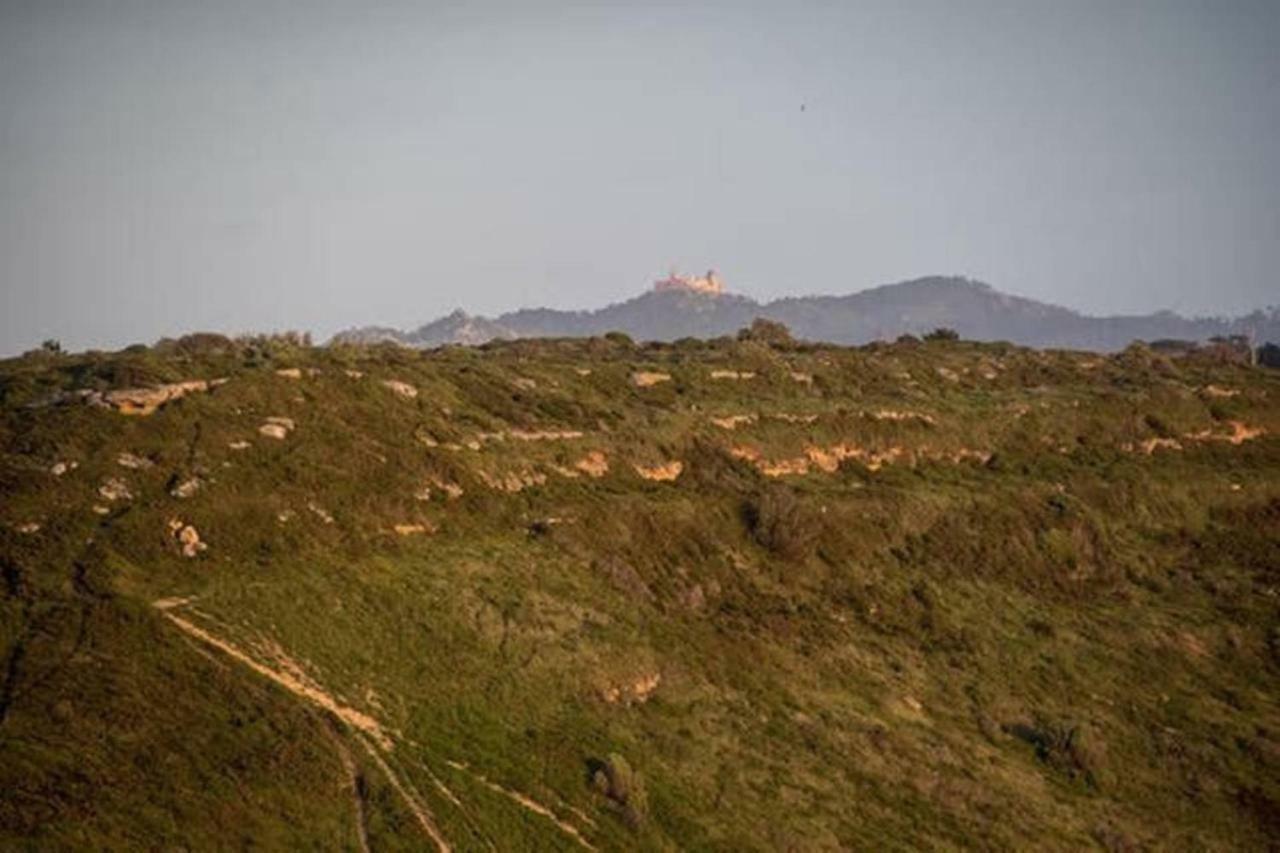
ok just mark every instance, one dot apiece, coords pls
pixel 677 308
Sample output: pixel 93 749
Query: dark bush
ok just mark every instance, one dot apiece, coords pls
pixel 710 467
pixel 767 332
pixel 615 778
pixel 779 522
pixel 621 339
pixel 942 333
pixel 204 343
pixel 1069 749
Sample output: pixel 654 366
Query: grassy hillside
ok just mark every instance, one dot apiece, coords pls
pixel 565 594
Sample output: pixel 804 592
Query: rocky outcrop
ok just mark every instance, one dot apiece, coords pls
pixel 277 427
pixel 595 464
pixel 186 537
pixel 131 401
pixel 400 389
pixel 664 472
pixel 649 378
pixel 186 488
pixel 133 461
pixel 115 489
pixel 412 529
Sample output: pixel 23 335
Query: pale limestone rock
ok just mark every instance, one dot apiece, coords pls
pixel 595 464
pixel 402 389
pixel 187 488
pixel 663 472
pixel 187 537
pixel 115 489
pixel 144 401
pixel 648 378
pixel 130 460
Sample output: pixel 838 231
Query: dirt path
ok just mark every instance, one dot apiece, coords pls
pixel 355 781
pixel 371 735
pixel 356 719
pixel 526 802
pixel 411 798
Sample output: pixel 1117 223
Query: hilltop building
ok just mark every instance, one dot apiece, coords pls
pixel 710 283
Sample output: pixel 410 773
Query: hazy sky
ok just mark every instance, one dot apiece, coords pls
pixel 176 165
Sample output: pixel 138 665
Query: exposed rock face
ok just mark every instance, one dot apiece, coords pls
pixel 595 464
pixel 115 489
pixel 403 389
pixel 185 489
pixel 732 421
pixel 130 460
pixel 412 529
pixel 277 427
pixel 144 401
pixel 187 537
pixel 664 472
pixel 648 378
pixel 1215 391
pixel 320 513
pixel 635 693
pixel 543 434
pixel 513 481
pixel 451 490
pixel 130 401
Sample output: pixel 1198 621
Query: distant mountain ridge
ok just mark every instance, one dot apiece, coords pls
pixel 977 311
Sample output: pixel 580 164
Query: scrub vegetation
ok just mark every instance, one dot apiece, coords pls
pixel 929 594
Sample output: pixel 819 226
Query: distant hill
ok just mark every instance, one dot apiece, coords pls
pixel 976 310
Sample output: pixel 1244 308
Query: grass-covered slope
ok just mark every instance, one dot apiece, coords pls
pixel 555 595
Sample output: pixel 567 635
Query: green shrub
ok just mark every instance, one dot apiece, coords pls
pixel 767 332
pixel 1073 750
pixel 615 778
pixel 780 523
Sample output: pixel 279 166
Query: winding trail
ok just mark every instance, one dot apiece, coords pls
pixel 411 798
pixel 526 802
pixel 368 732
pixel 356 783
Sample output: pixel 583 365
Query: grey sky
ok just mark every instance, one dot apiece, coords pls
pixel 188 164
